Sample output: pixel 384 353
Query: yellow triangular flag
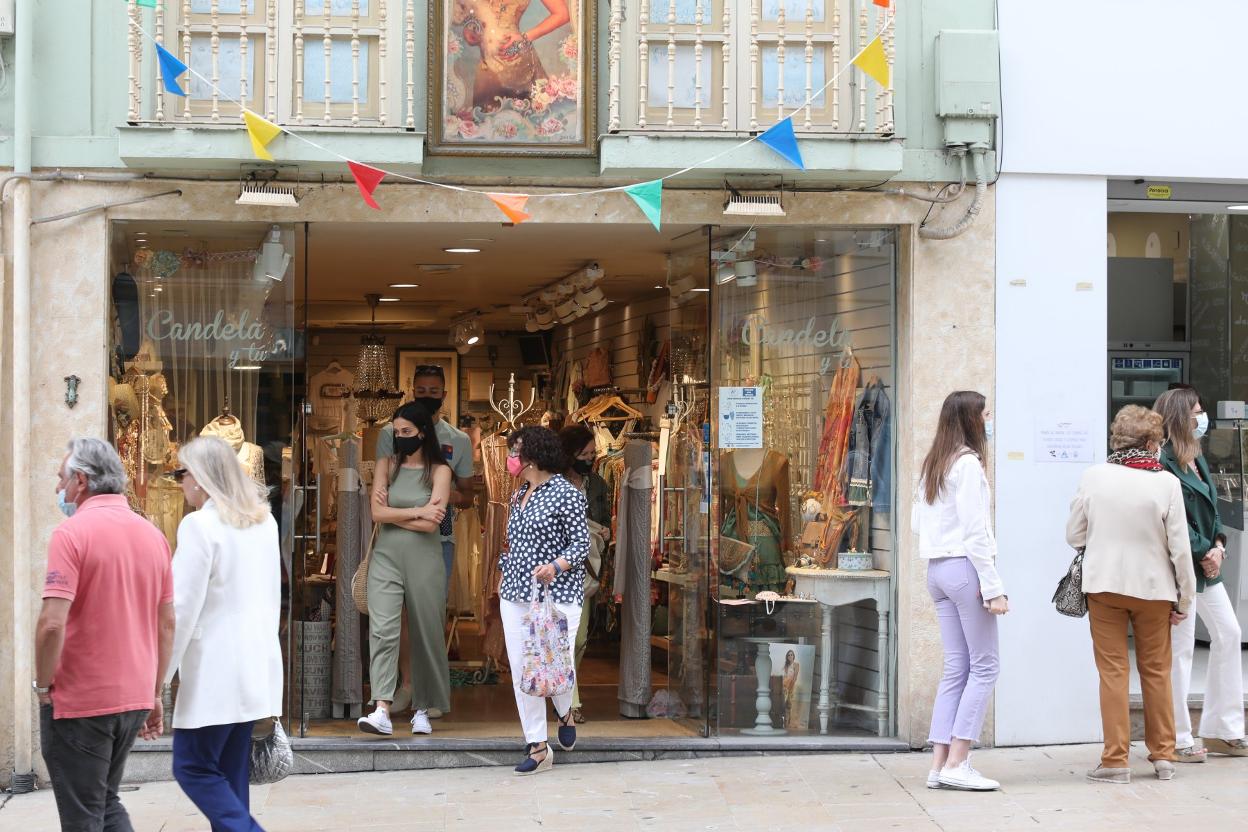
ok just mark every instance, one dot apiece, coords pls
pixel 873 61
pixel 261 131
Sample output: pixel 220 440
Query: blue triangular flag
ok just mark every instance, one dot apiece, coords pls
pixel 780 138
pixel 649 198
pixel 170 69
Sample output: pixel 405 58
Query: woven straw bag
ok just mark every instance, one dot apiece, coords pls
pixel 359 583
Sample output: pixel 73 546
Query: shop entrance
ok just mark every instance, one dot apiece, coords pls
pixel 297 343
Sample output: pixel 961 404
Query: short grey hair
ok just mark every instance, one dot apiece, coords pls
pixel 98 461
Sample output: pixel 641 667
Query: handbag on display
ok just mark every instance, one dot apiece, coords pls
pixel 359 581
pixel 735 556
pixel 272 758
pixel 1069 598
pixel 547 654
pixel 593 563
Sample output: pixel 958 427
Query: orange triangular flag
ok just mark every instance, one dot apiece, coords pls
pixel 512 205
pixel 883 3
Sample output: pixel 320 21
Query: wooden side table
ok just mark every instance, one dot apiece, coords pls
pixel 834 588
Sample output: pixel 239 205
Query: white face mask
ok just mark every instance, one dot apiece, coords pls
pixel 1202 425
pixel 988 429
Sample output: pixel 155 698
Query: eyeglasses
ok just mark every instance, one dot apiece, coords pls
pixel 178 474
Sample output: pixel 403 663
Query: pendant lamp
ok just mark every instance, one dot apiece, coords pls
pixel 376 395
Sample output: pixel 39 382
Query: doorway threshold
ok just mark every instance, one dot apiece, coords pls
pixel 151 761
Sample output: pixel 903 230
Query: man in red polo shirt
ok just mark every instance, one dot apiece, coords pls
pixel 103 640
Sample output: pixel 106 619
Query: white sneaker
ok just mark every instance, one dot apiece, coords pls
pixel 966 779
pixel 378 722
pixel 933 779
pixel 420 723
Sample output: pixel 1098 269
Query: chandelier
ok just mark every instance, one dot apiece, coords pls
pixel 375 393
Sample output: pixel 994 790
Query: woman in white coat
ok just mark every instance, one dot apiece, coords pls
pixel 227 596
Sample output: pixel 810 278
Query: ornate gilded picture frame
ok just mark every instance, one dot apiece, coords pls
pixel 512 77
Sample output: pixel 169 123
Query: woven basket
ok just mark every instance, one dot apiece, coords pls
pixel 359 581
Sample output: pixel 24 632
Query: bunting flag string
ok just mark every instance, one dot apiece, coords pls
pixel 512 206
pixel 151 4
pixel 781 138
pixel 873 61
pixel 261 131
pixel 367 178
pixel 648 196
pixel 882 3
pixel 170 69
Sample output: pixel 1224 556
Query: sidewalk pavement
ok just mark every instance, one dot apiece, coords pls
pixel 1042 789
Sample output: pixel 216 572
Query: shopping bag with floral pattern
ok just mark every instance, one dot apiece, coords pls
pixel 548 669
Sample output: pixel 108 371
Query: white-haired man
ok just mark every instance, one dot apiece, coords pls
pixel 103 640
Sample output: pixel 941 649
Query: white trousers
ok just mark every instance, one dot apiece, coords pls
pixel 532 708
pixel 1223 714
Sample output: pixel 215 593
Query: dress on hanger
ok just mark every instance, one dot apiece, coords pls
pixel 632 578
pixel 328 393
pixel 756 511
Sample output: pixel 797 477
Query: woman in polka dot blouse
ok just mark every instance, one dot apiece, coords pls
pixel 547 539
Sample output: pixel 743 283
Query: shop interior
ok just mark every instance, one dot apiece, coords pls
pixel 295 343
pixel 1178 314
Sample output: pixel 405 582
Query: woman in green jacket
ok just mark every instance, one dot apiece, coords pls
pixel 1222 717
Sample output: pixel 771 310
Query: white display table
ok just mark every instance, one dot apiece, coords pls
pixel 834 588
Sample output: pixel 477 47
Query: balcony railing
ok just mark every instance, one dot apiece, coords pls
pixel 726 65
pixel 310 62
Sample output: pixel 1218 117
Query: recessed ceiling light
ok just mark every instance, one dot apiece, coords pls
pixel 462 250
pixel 660 287
pixel 159 289
pixel 246 366
pixel 701 290
pixel 439 267
pixel 388 300
pixel 404 285
pixel 1237 207
pixel 478 239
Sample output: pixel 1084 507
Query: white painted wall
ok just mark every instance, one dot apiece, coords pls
pixel 1124 88
pixel 1051 338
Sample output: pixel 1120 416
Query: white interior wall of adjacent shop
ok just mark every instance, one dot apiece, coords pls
pixel 852 296
pixel 1051 353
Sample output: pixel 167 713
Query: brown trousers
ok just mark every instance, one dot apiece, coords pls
pixel 1109 614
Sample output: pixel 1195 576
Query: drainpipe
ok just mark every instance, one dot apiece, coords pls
pixel 23 629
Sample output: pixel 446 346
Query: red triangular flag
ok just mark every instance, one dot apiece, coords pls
pixel 367 179
pixel 512 205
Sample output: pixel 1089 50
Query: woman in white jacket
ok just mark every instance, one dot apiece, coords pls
pixel 227 597
pixel 953 517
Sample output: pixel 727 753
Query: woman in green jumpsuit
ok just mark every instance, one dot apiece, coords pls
pixel 406 567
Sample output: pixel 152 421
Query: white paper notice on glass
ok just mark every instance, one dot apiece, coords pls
pixel 740 417
pixel 1064 440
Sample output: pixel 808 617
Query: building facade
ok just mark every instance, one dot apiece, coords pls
pixel 142 304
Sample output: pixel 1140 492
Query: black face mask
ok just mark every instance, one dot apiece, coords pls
pixel 582 467
pixel 430 404
pixel 407 445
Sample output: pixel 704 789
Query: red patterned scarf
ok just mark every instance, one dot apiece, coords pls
pixel 1137 458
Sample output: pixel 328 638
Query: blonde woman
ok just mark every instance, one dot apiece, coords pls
pixel 1137 573
pixel 227 598
pixel 1222 716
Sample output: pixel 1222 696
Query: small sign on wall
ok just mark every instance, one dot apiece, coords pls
pixel 740 417
pixel 1064 440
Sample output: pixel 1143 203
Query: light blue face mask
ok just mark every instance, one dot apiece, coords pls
pixel 988 429
pixel 1202 425
pixel 67 508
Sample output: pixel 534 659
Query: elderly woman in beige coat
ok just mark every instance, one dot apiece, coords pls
pixel 1137 570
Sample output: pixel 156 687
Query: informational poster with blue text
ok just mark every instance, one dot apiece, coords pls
pixel 740 417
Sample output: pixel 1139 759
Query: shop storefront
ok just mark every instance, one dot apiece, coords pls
pixel 777 380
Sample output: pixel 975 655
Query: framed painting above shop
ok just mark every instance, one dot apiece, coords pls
pixel 448 360
pixel 511 76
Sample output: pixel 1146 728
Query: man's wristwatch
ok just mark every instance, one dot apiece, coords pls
pixel 38 690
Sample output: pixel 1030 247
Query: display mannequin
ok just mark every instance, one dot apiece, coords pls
pixel 229 429
pixel 755 507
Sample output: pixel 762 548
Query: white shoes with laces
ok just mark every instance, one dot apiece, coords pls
pixel 965 778
pixel 378 722
pixel 420 723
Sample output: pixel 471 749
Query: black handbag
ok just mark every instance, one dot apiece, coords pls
pixel 1069 598
pixel 272 758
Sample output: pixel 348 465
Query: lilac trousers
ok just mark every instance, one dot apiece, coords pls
pixel 969 634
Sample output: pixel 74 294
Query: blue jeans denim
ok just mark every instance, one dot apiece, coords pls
pixel 969 634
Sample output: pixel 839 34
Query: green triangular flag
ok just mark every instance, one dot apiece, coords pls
pixel 151 4
pixel 649 198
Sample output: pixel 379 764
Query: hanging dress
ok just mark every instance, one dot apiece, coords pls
pixel 756 512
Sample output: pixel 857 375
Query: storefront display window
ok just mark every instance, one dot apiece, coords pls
pixel 802 439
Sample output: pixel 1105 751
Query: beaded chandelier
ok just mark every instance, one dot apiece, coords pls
pixel 376 395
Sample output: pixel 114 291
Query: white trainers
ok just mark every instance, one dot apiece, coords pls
pixel 420 723
pixel 933 779
pixel 967 779
pixel 378 722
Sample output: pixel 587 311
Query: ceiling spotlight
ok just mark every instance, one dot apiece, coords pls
pixel 550 295
pixel 466 334
pixel 387 300
pixel 270 194
pixel 746 272
pixel 568 311
pixel 404 286
pixel 462 250
pixel 544 316
pixel 724 273
pixel 273 260
pixel 592 299
pixel 530 323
